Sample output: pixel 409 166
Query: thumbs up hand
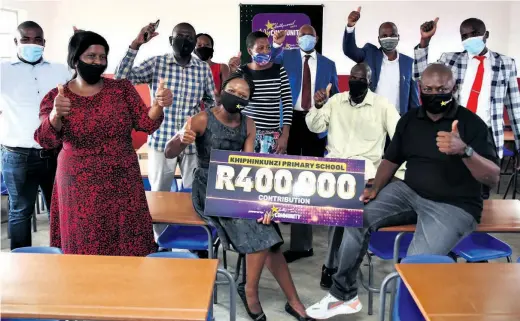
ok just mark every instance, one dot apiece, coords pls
pixel 234 62
pixel 321 96
pixel 62 104
pixel 187 135
pixel 163 95
pixel 353 17
pixel 450 143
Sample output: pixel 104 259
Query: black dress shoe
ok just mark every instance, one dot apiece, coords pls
pixel 291 256
pixel 289 309
pixel 326 277
pixel 241 289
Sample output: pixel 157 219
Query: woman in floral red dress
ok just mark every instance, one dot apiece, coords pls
pixel 99 204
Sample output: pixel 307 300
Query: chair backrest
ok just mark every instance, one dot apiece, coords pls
pixel 174 255
pixel 405 307
pixel 38 250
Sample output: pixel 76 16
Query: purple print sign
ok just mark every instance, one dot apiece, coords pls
pixel 294 189
pixel 271 22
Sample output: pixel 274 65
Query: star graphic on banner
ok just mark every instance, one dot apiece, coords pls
pixel 269 25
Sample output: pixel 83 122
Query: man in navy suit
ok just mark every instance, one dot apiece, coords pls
pixel 392 72
pixel 308 73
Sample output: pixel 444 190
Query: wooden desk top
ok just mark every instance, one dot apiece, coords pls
pixel 143 166
pixel 464 289
pixel 172 208
pixel 509 136
pixel 497 216
pixel 88 287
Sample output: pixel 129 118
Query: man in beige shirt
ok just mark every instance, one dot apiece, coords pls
pixel 357 122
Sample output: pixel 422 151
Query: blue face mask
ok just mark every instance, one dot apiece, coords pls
pixel 261 59
pixel 30 52
pixel 474 45
pixel 307 42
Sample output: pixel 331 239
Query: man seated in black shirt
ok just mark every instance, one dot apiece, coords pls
pixel 449 155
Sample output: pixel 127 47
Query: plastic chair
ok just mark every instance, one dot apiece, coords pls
pixel 38 250
pixel 405 307
pixel 518 261
pixel 174 255
pixel 381 245
pixel 478 247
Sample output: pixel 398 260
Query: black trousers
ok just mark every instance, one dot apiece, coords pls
pixel 303 142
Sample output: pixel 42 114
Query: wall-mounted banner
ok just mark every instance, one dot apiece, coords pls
pixel 293 189
pixel 271 22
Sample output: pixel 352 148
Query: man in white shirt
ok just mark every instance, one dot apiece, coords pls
pixel 358 122
pixel 25 165
pixel 308 72
pixel 391 70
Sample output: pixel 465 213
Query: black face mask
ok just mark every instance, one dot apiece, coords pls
pixel 91 73
pixel 232 103
pixel 437 103
pixel 358 90
pixel 183 46
pixel 204 53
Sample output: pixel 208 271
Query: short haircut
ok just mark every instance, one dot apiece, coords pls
pixel 363 66
pixel 241 75
pixel 184 25
pixel 253 37
pixel 80 42
pixel 475 23
pixel 29 25
pixel 206 35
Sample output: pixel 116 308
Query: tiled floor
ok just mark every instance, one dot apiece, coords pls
pixel 306 274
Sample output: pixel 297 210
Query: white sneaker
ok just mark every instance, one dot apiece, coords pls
pixel 329 307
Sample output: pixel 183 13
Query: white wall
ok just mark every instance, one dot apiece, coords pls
pixel 120 20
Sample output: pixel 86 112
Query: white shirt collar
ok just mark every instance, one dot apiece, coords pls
pixel 385 57
pixel 15 60
pixel 312 54
pixel 485 55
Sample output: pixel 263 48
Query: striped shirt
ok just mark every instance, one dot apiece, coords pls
pixel 271 87
pixel 189 84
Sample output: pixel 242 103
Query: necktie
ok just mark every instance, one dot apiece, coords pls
pixel 477 85
pixel 306 85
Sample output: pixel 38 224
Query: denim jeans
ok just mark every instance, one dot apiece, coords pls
pixel 440 227
pixel 24 171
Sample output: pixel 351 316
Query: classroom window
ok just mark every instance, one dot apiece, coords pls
pixel 8 24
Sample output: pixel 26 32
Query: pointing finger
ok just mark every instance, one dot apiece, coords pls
pixel 358 9
pixel 61 90
pixel 188 124
pixel 329 87
pixel 435 20
pixel 161 84
pixel 454 127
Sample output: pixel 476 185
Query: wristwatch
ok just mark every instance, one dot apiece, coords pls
pixel 468 152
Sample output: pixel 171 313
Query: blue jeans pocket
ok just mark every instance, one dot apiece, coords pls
pixel 12 158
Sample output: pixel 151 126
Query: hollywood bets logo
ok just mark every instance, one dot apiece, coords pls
pixel 291 29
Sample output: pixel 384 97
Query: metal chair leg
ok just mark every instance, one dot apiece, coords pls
pixel 382 296
pixel 244 269
pixel 34 222
pixel 370 284
pixel 232 294
pixel 237 268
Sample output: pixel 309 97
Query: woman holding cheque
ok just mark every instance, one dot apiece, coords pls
pixel 225 128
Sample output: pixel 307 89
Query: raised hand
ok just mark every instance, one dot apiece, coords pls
pixel 62 104
pixel 235 62
pixel 163 96
pixel 141 39
pixel 279 37
pixel 353 17
pixel 186 134
pixel 321 96
pixel 428 29
pixel 450 143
